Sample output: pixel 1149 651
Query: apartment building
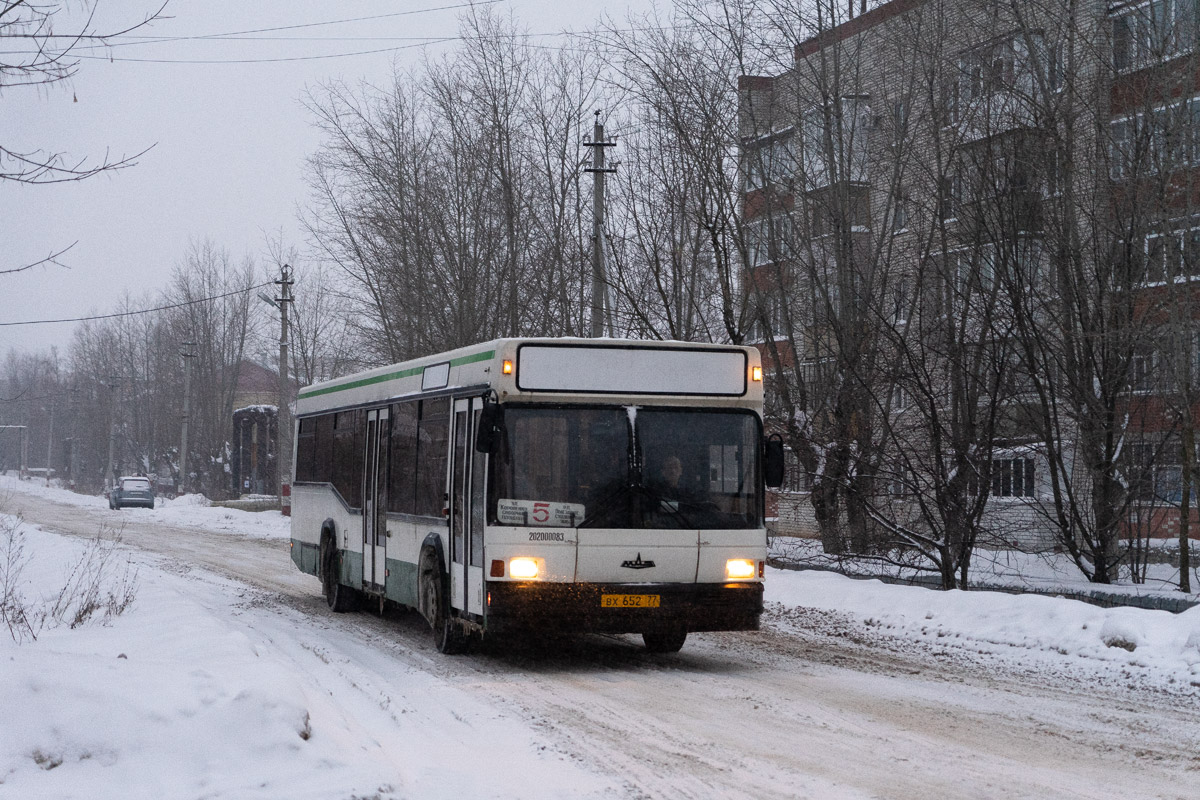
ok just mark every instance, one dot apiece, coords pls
pixel 971 231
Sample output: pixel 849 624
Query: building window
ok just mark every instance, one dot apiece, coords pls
pixel 901 212
pixel 833 142
pixel 900 484
pixel 769 162
pixel 770 321
pixel 1011 477
pixel 899 304
pixel 848 209
pixel 795 477
pixel 950 195
pixel 768 240
pixel 1141 370
pixel 1157 141
pixel 899 122
pixel 1154 473
pixel 816 375
pixel 1143 33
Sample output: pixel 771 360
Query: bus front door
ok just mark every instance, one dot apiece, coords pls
pixel 375 501
pixel 466 511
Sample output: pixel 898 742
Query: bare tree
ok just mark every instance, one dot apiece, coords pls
pixel 676 229
pixel 447 201
pixel 35 55
pixel 219 314
pixel 320 344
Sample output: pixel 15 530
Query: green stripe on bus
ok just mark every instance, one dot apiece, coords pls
pixel 391 376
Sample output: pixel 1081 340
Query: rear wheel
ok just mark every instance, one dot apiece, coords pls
pixel 666 640
pixel 339 596
pixel 447 635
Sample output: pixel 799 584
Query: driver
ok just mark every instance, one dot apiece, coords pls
pixel 670 475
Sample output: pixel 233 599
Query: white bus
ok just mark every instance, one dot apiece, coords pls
pixel 568 485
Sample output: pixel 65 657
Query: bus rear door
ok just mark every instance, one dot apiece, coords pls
pixel 466 510
pixel 375 501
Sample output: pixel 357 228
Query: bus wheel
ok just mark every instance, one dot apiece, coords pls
pixel 447 636
pixel 339 596
pixel 665 640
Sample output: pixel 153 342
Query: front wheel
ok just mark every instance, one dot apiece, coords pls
pixel 668 640
pixel 447 635
pixel 340 597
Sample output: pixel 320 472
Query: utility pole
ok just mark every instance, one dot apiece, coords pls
pixel 188 354
pixel 114 386
pixel 283 417
pixel 50 442
pixel 598 170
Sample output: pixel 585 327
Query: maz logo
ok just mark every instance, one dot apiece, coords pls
pixel 637 563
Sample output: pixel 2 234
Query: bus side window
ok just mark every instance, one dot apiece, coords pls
pixel 433 433
pixel 306 444
pixel 403 482
pixel 323 449
pixel 347 456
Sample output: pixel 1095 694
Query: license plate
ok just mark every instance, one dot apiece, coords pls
pixel 629 601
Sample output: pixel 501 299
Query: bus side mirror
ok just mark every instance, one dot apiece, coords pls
pixel 491 427
pixel 773 463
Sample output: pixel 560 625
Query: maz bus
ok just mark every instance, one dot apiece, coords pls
pixel 567 485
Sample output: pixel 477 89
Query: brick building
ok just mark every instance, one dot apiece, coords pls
pixel 971 235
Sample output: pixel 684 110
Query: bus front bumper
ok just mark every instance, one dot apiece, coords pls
pixel 580 607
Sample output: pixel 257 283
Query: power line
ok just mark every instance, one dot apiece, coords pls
pixel 418 42
pixel 259 30
pixel 143 311
pixel 262 60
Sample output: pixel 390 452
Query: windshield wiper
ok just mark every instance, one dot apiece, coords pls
pixel 605 507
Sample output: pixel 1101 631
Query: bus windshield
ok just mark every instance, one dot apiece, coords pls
pixel 626 467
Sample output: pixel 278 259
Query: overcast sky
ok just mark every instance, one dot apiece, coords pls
pixel 228 139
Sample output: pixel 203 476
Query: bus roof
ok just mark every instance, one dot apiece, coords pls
pixel 561 369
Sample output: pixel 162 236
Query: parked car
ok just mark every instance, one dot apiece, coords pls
pixel 131 490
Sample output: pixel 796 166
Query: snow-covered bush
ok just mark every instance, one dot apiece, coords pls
pixel 98 585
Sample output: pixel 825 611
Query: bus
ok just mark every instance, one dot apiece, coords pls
pixel 544 486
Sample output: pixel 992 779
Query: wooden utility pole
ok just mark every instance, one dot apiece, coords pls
pixel 188 355
pixel 598 170
pixel 114 398
pixel 283 417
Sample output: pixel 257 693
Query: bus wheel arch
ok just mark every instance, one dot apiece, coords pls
pixel 338 596
pixel 434 598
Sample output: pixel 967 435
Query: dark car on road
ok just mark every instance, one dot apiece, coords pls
pixel 131 491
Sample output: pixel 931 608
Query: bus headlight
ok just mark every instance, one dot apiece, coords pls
pixel 739 568
pixel 523 568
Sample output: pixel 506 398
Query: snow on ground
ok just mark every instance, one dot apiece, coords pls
pixel 181 697
pixel 1164 645
pixel 188 694
pixel 188 511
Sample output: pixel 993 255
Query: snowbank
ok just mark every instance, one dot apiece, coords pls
pixel 1004 569
pixel 1168 644
pixel 195 692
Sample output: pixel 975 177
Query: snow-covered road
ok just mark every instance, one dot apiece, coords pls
pixel 819 704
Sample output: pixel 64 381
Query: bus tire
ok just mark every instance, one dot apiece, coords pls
pixel 341 598
pixel 665 640
pixel 435 605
